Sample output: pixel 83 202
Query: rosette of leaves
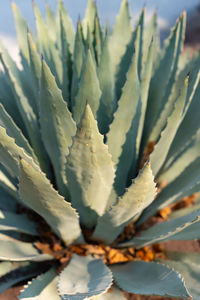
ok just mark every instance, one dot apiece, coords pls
pixel 91 122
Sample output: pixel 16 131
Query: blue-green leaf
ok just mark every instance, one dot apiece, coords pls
pixel 187 264
pixel 121 35
pixel 15 250
pixel 165 231
pixel 37 192
pixel 57 125
pixel 149 278
pixel 83 278
pixel 15 222
pixel 138 196
pixel 126 111
pixel 157 158
pixel 41 288
pixel 90 170
pixel 67 24
pixel 89 90
pixel 89 19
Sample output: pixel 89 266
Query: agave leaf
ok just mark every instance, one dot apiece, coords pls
pixel 13 222
pixel 150 32
pixel 89 90
pixel 47 47
pixel 15 250
pixel 57 125
pixel 21 274
pixel 108 97
pixel 127 167
pixel 37 192
pixel 121 35
pixel 145 82
pixel 67 62
pixel 21 27
pixel 41 288
pixel 138 196
pixel 127 57
pixel 15 132
pixel 187 264
pixel 35 64
pixel 67 24
pixel 162 74
pixel 89 170
pixel 7 203
pixel 8 101
pixel 51 22
pixel 190 123
pixel 184 211
pixel 159 154
pixel 126 111
pixel 89 19
pixel 165 231
pixel 7 182
pixel 78 59
pixel 186 184
pixel 194 76
pixel 28 115
pixel 10 153
pixel 84 277
pixel 149 278
pixel 98 40
pixel 188 155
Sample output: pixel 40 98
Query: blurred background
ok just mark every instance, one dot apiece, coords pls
pixel 168 11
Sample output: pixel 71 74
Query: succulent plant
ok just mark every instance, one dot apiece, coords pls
pixel 99 141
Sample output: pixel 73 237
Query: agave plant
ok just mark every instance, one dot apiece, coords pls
pixel 99 134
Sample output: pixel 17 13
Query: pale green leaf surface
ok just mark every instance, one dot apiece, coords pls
pixel 47 47
pixel 68 25
pixel 174 70
pixel 121 35
pixel 21 28
pixel 149 278
pixel 51 22
pixel 126 111
pixel 98 40
pixel 15 250
pixel 165 230
pixel 78 61
pixel 16 222
pixel 15 132
pixel 158 156
pixel 160 80
pixel 89 90
pixel 5 267
pixel 186 184
pixel 90 170
pixel 35 64
pixel 83 278
pixel 37 192
pixel 7 183
pixel 188 155
pixel 89 19
pixel 28 116
pixel 187 264
pixel 138 196
pixel 42 287
pixel 57 125
pixel 10 153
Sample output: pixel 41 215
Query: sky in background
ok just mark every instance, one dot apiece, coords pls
pixel 168 11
